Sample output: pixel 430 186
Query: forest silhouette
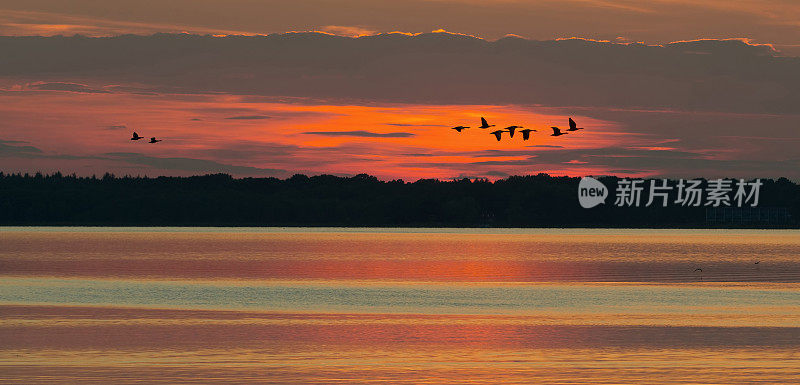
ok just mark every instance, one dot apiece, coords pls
pixel 362 200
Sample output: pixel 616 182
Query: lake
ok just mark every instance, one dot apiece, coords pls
pixel 432 306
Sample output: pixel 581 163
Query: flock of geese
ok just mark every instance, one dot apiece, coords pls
pixel 137 137
pixel 526 133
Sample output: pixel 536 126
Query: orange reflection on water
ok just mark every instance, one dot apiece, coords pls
pixel 470 256
pixel 433 306
pixel 68 344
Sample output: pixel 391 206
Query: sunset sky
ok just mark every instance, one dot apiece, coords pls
pixel 271 88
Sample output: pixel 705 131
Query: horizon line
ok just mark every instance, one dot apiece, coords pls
pixel 744 40
pixel 493 179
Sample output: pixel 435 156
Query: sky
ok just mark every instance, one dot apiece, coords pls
pixel 272 88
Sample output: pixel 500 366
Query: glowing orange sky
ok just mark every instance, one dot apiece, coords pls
pixel 88 133
pixel 229 130
pixel 638 122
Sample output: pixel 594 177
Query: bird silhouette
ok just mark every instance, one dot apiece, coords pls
pixel 154 140
pixel 557 131
pixel 459 128
pixel 136 136
pixel 497 134
pixel 511 130
pixel 526 133
pixel 485 124
pixel 573 126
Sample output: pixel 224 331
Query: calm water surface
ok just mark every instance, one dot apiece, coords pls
pixel 443 306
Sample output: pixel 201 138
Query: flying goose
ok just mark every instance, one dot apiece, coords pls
pixel 497 134
pixel 573 126
pixel 526 133
pixel 485 124
pixel 511 130
pixel 136 136
pixel 154 140
pixel 557 132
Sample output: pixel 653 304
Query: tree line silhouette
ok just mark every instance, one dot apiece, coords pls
pixel 326 200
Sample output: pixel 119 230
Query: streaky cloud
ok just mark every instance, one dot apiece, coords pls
pixel 65 86
pixel 11 148
pixel 362 134
pixel 248 117
pixel 190 164
pixel 415 125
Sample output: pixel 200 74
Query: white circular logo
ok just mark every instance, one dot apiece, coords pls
pixel 591 192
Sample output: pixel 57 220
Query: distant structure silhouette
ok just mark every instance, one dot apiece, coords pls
pixel 573 126
pixel 485 124
pixel 557 132
pixel 459 128
pixel 526 133
pixel 511 130
pixel 154 140
pixel 700 271
pixel 497 134
pixel 136 136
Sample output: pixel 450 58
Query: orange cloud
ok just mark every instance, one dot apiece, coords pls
pixel 34 23
pixel 349 31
